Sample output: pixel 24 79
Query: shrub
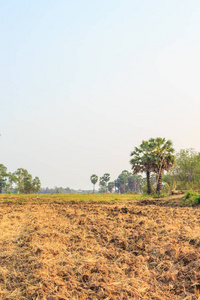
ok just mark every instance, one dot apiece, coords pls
pixel 191 198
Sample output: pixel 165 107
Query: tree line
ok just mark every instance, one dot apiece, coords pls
pixel 19 181
pixel 165 170
pixel 126 182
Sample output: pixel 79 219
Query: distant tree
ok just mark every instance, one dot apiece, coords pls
pixel 126 182
pixel 106 177
pixel 68 190
pixel 11 179
pixel 138 183
pixel 134 183
pixel 94 179
pixel 3 177
pixel 25 183
pixel 131 183
pixel 103 182
pixel 111 186
pixel 20 175
pixel 116 185
pixel 36 185
pixel 123 181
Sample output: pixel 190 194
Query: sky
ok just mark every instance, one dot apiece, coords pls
pixel 83 82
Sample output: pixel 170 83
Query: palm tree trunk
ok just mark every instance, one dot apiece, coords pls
pixel 149 189
pixel 159 184
pixel 93 188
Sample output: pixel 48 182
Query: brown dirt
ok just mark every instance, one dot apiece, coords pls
pixel 123 250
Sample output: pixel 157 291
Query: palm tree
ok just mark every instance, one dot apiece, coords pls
pixel 94 179
pixel 163 158
pixel 104 181
pixel 143 161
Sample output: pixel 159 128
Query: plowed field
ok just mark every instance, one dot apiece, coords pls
pixel 123 250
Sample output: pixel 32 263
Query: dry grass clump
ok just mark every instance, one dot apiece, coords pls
pixel 121 250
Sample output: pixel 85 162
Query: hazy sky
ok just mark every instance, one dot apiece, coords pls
pixel 84 82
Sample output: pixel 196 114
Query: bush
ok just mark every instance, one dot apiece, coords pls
pixel 191 198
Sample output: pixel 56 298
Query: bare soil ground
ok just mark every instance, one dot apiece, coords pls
pixel 143 249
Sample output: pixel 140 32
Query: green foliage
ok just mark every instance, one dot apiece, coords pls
pixel 106 177
pixel 163 159
pixel 36 185
pixel 169 187
pixel 123 181
pixel 191 198
pixel 144 187
pixel 102 185
pixel 134 183
pixel 128 183
pixel 154 155
pixel 103 182
pixel 20 180
pixel 94 179
pixel 25 183
pixel 186 171
pixel 111 186
pixel 3 177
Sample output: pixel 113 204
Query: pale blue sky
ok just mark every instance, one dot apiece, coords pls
pixel 84 82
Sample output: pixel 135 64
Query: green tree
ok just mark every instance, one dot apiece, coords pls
pixel 20 175
pixel 106 177
pixel 25 183
pixel 94 179
pixel 36 185
pixel 185 173
pixel 154 155
pixel 143 161
pixel 11 180
pixel 134 183
pixel 111 186
pixel 116 185
pixel 104 182
pixel 3 177
pixel 123 181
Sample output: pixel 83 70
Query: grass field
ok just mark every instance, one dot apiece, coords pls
pixel 62 198
pixel 98 247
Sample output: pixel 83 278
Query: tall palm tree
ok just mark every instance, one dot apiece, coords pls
pixel 142 161
pixel 94 179
pixel 163 158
